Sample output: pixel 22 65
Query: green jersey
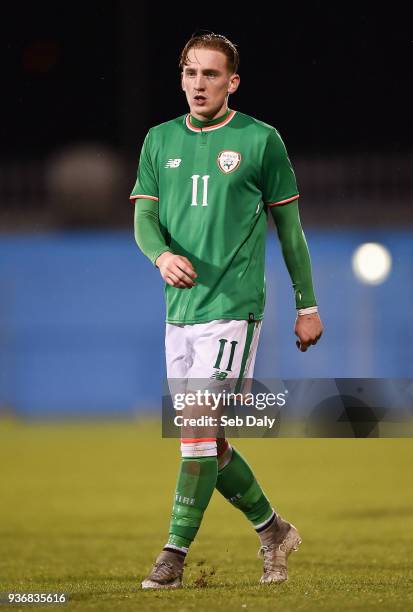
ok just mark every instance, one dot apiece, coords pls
pixel 214 181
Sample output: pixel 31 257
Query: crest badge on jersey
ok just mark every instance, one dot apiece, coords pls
pixel 228 161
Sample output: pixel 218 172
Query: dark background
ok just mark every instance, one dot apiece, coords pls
pixel 334 79
pixel 81 308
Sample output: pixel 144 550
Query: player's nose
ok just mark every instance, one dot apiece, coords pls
pixel 199 82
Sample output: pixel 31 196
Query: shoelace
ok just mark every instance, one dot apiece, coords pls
pixel 262 550
pixel 270 547
pixel 162 569
pixel 271 563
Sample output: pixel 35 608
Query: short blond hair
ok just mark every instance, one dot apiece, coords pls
pixel 212 41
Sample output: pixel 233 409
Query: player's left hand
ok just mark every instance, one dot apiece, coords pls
pixel 309 329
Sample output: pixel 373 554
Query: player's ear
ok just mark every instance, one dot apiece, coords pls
pixel 182 81
pixel 233 83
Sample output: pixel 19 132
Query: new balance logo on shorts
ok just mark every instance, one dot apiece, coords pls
pixel 173 163
pixel 219 375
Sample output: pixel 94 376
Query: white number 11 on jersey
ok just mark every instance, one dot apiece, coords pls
pixel 195 178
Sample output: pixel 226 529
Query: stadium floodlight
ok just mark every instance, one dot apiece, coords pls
pixel 372 263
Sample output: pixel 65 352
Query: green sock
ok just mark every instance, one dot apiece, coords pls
pixel 237 483
pixel 196 482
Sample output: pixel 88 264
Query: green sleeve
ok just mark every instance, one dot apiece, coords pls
pixel 295 252
pixel 146 181
pixel 278 182
pixel 148 234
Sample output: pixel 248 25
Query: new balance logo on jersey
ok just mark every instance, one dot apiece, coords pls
pixel 173 163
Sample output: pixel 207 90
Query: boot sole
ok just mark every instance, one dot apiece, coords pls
pixel 151 584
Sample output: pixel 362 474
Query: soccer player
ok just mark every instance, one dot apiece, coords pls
pixel 206 183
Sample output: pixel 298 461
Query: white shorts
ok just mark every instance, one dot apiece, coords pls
pixel 215 355
pixel 217 350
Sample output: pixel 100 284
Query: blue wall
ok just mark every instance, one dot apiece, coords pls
pixel 82 320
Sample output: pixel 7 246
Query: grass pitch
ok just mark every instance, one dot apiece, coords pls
pixel 85 509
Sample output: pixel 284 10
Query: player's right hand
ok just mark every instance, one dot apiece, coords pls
pixel 176 270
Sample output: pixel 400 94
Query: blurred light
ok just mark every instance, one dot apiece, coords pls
pixel 83 182
pixel 372 263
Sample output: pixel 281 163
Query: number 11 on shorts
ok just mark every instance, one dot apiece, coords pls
pixel 222 343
